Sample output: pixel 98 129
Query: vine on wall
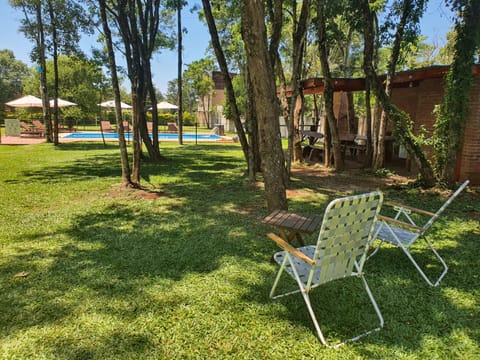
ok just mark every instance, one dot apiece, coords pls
pixel 452 114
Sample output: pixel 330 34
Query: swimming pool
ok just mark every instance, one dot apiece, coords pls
pixel 161 136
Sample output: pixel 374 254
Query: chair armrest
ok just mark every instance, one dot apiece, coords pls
pixel 398 222
pixel 289 248
pixel 420 211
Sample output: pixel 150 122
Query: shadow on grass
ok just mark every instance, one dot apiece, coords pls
pixel 112 253
pixel 179 161
pixel 122 245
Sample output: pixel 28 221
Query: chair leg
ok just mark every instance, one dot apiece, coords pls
pixel 410 256
pixel 305 290
pixel 314 318
pixel 419 269
pixel 317 326
pixel 375 306
pixel 277 279
pixel 279 275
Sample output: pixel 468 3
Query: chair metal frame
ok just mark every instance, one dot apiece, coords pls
pixel 343 242
pixel 404 234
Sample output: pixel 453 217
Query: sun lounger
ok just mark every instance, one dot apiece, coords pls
pixel 105 126
pixel 30 130
pixel 38 125
pixel 172 127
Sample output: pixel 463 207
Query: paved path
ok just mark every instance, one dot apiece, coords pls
pixel 20 140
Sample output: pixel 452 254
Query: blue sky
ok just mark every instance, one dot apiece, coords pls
pixel 435 25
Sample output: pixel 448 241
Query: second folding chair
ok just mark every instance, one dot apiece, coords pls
pixel 404 234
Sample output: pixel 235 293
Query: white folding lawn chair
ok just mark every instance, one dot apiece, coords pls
pixel 404 234
pixel 343 242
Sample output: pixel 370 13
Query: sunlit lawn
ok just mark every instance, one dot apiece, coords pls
pixel 112 274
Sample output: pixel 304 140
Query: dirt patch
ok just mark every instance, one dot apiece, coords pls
pixel 144 193
pixel 348 180
pixel 474 214
pixel 149 194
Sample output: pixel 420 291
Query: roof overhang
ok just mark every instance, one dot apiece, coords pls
pixel 410 78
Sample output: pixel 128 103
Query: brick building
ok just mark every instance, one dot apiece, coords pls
pixel 417 92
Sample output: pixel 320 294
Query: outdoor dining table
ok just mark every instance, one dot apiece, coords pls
pixel 292 225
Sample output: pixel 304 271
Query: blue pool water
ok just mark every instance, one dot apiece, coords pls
pixel 162 136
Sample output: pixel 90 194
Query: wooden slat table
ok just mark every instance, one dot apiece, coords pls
pixel 292 225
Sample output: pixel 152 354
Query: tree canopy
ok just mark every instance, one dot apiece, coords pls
pixel 12 75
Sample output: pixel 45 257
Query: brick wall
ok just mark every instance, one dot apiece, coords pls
pixel 469 160
pixel 420 102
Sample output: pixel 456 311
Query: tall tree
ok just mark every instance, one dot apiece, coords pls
pixel 454 113
pixel 81 83
pixel 263 85
pixel 126 173
pixel 66 21
pixel 198 75
pixel 138 22
pixel 12 74
pixel 224 26
pixel 292 113
pixel 54 26
pixel 328 88
pixel 405 17
pixel 179 71
pixel 33 28
pixel 402 122
pixel 41 58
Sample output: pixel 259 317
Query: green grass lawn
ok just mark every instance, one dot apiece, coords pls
pixel 184 270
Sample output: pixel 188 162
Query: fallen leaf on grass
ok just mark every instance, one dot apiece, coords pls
pixel 22 274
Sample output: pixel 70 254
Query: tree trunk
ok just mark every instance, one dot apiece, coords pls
pixel 297 138
pixel 352 122
pixel 43 74
pixel 368 124
pixel 251 123
pixel 263 83
pixel 230 93
pixel 179 70
pixel 154 152
pixel 126 176
pixel 299 50
pixel 379 153
pixel 143 43
pixel 328 92
pixel 401 120
pixel 292 110
pixel 128 26
pixel 55 72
